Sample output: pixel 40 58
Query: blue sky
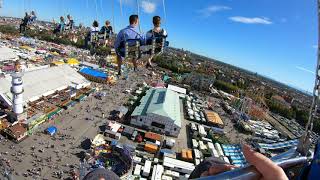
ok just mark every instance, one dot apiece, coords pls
pixel 276 38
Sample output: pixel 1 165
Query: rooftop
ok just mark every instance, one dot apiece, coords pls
pixel 214 118
pixel 160 101
pixel 7 54
pixel 177 89
pixel 94 73
pixel 17 129
pixel 175 163
pixel 153 136
pixel 44 82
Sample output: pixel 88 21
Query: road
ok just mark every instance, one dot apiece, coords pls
pixel 182 139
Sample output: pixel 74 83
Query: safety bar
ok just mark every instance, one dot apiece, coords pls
pixel 250 172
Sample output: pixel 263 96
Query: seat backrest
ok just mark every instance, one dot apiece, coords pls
pixel 159 37
pixel 132 42
pixel 132 48
pixel 94 36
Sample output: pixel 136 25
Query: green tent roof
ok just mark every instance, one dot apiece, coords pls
pixel 160 101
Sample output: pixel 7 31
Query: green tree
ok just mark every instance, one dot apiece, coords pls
pixel 225 86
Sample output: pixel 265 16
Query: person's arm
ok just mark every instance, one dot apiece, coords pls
pixel 103 29
pixel 149 37
pixel 268 169
pixel 165 33
pixel 143 39
pixel 119 39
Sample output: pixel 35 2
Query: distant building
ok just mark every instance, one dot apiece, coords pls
pixel 8 54
pixel 17 131
pixel 214 119
pixel 177 89
pixel 199 81
pixel 3 124
pixel 280 100
pixel 43 82
pixel 177 165
pixel 159 111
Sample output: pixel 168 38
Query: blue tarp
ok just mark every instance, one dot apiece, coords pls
pixel 52 130
pixel 94 73
pixel 114 143
pixel 235 153
pixel 168 151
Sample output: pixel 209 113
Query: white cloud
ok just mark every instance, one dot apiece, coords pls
pixel 208 11
pixel 148 7
pixel 315 46
pixel 253 20
pixel 305 70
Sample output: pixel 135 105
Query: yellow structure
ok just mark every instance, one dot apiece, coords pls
pixel 57 63
pixel 98 140
pixel 73 62
pixel 3 125
pixel 55 53
pixel 214 118
pixel 26 48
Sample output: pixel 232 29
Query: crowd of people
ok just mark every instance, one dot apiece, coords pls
pixel 95 35
pixel 131 34
pixel 28 19
pixel 64 25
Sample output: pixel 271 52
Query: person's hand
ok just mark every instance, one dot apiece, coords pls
pixel 218 168
pixel 268 169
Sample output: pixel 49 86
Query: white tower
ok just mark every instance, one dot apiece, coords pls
pixel 17 90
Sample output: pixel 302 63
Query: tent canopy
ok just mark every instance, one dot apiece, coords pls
pixel 52 130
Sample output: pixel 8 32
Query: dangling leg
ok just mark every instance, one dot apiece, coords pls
pixel 119 61
pixel 149 63
pixel 135 67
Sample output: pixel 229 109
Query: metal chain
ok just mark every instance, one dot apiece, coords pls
pixel 305 142
pixel 316 89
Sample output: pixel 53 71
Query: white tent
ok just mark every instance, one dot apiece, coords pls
pixel 43 82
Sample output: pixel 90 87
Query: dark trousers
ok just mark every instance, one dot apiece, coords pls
pixel 86 41
pixel 23 27
pixel 56 30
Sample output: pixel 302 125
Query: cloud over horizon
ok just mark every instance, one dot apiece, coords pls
pixel 208 11
pixel 251 20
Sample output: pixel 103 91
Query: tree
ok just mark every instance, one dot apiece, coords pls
pixel 225 86
pixel 280 109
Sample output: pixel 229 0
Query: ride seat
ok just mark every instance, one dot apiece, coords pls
pixel 132 49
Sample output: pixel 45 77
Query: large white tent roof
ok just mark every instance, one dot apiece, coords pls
pixel 44 82
pixel 7 54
